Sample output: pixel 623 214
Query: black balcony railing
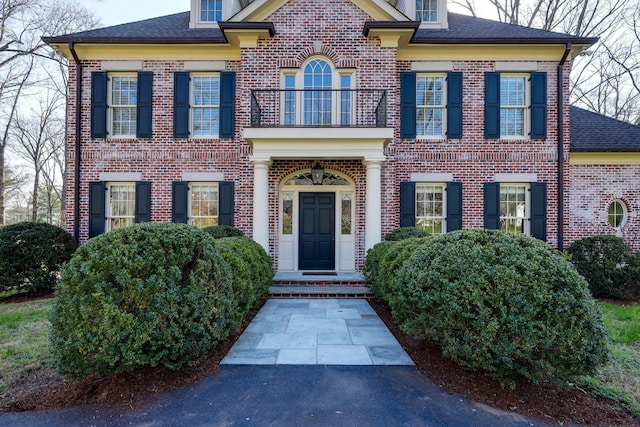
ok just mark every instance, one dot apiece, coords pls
pixel 319 108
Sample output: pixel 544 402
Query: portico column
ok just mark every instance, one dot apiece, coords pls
pixel 373 214
pixel 261 202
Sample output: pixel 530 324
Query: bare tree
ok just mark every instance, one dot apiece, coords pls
pixel 37 137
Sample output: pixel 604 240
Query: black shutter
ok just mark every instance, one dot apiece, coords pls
pixel 227 104
pixel 454 206
pixel 492 105
pixel 181 105
pixel 539 210
pixel 143 202
pixel 538 105
pixel 408 104
pixel 226 203
pixel 407 204
pixel 145 103
pixel 492 206
pixel 97 217
pixel 180 202
pixel 454 105
pixel 98 104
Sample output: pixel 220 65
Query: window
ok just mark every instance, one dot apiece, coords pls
pixel 431 208
pixel 346 209
pixel 122 105
pixel 203 204
pixel 317 92
pixel 210 10
pixel 430 105
pixel 205 105
pixel 290 100
pixel 346 100
pixel 617 214
pixel 514 208
pixel 121 205
pixel 427 10
pixel 287 214
pixel 514 103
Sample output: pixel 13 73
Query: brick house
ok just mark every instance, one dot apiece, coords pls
pixel 318 126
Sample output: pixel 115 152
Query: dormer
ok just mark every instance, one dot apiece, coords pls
pixel 431 14
pixel 207 13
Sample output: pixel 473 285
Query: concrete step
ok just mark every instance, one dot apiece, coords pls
pixel 310 291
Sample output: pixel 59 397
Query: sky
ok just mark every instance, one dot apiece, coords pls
pixel 114 12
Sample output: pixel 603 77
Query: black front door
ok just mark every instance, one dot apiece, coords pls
pixel 317 231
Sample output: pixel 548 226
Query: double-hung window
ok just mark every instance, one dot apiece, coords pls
pixel 431 207
pixel 205 105
pixel 427 10
pixel 430 105
pixel 210 10
pixel 121 204
pixel 122 106
pixel 203 204
pixel 516 105
pixel 514 208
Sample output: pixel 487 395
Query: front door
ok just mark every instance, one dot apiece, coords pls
pixel 317 231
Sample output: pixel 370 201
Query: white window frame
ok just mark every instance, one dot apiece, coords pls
pixel 442 106
pixel 196 14
pixel 526 217
pixel 409 8
pixel 624 213
pixel 130 217
pixel 192 219
pixel 336 96
pixel 426 218
pixel 193 107
pixel 525 108
pixel 111 111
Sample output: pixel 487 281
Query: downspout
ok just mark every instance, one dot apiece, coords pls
pixel 561 122
pixel 76 192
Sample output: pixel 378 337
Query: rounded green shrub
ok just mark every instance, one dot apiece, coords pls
pixel 372 265
pixel 510 305
pixel 31 256
pixel 251 269
pixel 392 261
pixel 221 231
pixel 601 260
pixel 146 295
pixel 402 233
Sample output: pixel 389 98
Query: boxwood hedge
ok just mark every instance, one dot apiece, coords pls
pixel 145 295
pixel 511 305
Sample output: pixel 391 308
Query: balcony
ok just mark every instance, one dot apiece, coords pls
pixel 322 123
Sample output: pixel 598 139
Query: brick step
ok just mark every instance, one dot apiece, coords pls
pixel 310 291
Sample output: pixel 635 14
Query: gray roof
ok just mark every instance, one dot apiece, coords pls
pixel 597 133
pixel 175 29
pixel 165 29
pixel 469 29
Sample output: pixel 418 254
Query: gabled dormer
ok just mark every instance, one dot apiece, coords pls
pixel 207 13
pixel 431 14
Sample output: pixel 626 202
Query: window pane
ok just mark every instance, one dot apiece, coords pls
pixel 210 10
pixel 124 93
pixel 617 214
pixel 203 204
pixel 427 10
pixel 287 214
pixel 121 205
pixel 430 105
pixel 346 213
pixel 513 208
pixel 317 94
pixel 430 209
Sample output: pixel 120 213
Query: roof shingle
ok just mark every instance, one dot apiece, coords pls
pixel 597 133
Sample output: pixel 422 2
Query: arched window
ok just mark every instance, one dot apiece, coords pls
pixel 317 92
pixel 617 213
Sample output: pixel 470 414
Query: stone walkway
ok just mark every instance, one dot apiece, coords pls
pixel 317 332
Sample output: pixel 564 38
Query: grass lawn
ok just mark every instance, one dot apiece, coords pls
pixel 24 341
pixel 620 378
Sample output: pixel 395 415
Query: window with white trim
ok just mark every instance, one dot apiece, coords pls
pixel 431 208
pixel 514 208
pixel 514 105
pixel 211 10
pixel 205 105
pixel 430 105
pixel 617 213
pixel 120 205
pixel 427 10
pixel 203 204
pixel 123 99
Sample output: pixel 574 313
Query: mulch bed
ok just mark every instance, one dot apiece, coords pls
pixel 550 403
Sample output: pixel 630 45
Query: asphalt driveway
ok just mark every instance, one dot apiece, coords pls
pixel 293 395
